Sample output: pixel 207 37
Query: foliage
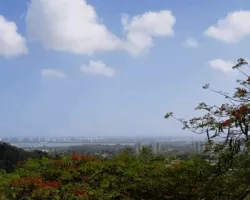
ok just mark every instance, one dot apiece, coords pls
pixel 126 176
pixel 10 155
pixel 229 121
pixel 227 129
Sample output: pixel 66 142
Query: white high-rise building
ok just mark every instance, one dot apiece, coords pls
pixel 198 146
pixel 156 147
pixel 138 147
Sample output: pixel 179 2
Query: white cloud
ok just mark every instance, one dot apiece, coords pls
pixel 74 26
pixel 68 25
pixel 98 68
pixel 191 42
pixel 11 42
pixel 52 73
pixel 142 28
pixel 234 27
pixel 222 65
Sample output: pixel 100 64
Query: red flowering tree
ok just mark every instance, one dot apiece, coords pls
pixel 122 177
pixel 227 128
pixel 229 121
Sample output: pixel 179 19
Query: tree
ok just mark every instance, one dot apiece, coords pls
pixel 229 122
pixel 11 155
pixel 126 176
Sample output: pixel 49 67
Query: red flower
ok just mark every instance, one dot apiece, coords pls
pixel 237 115
pixel 75 166
pixel 36 182
pixel 80 193
pixel 76 157
pixel 241 91
pixel 58 163
pixel 243 109
pixel 85 179
pixel 222 108
pixel 19 163
pixel 54 184
pixel 226 123
pixel 88 158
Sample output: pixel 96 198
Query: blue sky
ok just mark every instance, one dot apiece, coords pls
pixel 70 71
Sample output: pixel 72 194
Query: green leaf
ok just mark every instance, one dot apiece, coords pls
pixel 168 115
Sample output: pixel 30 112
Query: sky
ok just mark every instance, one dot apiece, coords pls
pixel 110 68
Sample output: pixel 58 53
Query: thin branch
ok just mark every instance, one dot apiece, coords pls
pixel 242 72
pixel 241 101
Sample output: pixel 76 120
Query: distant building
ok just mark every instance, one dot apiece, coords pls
pixel 198 146
pixel 138 147
pixel 156 147
pixel 26 139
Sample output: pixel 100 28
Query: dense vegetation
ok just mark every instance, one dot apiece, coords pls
pixel 10 155
pixel 148 176
pixel 127 176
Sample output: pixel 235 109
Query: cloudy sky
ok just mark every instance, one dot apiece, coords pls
pixel 109 67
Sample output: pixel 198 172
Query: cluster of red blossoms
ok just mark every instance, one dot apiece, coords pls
pixel 77 157
pixel 237 114
pixel 222 108
pixel 241 91
pixel 37 182
pixel 19 163
pixel 243 109
pixel 72 167
pixel 58 163
pixel 227 122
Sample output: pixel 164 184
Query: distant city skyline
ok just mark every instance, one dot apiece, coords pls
pixel 108 136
